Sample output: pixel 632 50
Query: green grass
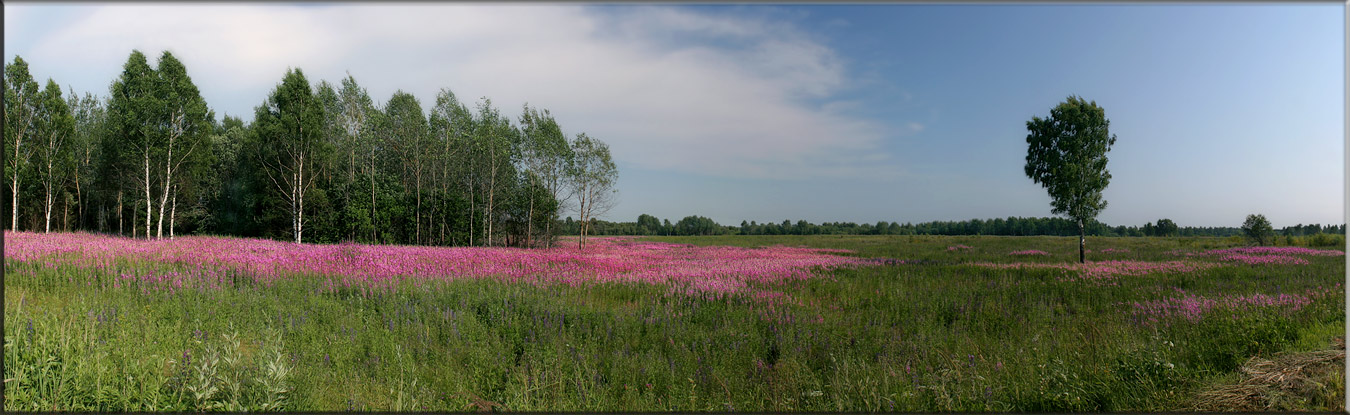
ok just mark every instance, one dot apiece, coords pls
pixel 940 335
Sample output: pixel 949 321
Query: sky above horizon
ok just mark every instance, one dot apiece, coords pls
pixel 862 113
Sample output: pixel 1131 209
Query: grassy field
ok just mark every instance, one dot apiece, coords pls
pixel 934 324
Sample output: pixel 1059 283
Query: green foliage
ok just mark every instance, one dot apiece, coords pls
pixel 649 225
pixel 1326 240
pixel 1257 229
pixel 697 225
pixel 1066 154
pixel 1166 227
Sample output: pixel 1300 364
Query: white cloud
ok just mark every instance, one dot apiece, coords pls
pixel 667 88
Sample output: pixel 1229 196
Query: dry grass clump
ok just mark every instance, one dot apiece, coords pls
pixel 1291 381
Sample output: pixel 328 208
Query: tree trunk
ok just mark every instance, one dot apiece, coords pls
pixel 418 225
pixel 295 214
pixel 14 190
pixel 529 224
pixel 120 211
pixel 164 198
pixel 47 226
pixel 14 187
pixel 373 237
pixel 471 208
pixel 581 214
pixel 445 189
pixel 492 188
pixel 148 212
pixel 173 211
pixel 1082 243
pixel 487 220
pixel 347 190
pixel 79 200
pixel 300 211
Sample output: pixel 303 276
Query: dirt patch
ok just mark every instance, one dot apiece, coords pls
pixel 1309 381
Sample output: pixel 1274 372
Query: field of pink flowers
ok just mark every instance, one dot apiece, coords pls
pixel 818 323
pixel 208 261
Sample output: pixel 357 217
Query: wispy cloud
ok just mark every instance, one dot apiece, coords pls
pixel 668 88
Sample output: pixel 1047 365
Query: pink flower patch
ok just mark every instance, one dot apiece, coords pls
pixel 214 261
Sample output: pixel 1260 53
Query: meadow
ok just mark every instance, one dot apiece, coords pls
pixel 731 323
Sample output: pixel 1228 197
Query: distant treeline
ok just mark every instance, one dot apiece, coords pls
pixel 1011 226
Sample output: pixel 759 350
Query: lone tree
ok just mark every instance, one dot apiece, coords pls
pixel 1258 229
pixel 1066 153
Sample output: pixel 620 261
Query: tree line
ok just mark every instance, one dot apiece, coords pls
pixel 1012 226
pixel 319 162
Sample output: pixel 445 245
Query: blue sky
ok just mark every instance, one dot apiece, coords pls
pixel 861 113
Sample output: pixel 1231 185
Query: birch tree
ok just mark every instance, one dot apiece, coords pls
pixel 592 176
pixel 288 143
pixel 54 128
pixel 89 116
pixel 407 136
pixel 184 114
pixel 22 99
pixel 450 124
pixel 356 109
pixel 545 154
pixel 133 115
pixel 497 141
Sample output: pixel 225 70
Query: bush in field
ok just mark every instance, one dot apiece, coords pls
pixel 1258 229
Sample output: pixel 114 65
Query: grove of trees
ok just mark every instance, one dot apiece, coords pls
pixel 319 162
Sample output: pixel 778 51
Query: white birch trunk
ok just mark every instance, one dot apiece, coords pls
pixel 173 211
pixel 47 226
pixel 147 193
pixel 164 197
pixel 300 197
pixel 492 190
pixel 14 186
pixel 14 190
